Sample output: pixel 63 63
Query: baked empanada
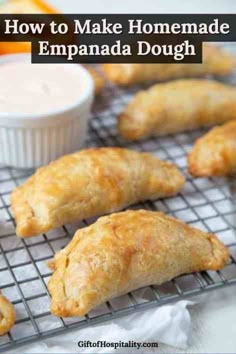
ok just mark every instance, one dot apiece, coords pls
pixel 90 183
pixel 214 154
pixel 215 62
pixel 177 106
pixel 7 315
pixel 125 251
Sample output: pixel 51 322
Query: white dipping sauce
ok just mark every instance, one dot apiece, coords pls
pixel 27 88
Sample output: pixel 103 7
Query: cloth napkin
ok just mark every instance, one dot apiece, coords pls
pixel 169 324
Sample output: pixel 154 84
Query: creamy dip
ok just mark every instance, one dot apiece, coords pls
pixel 27 88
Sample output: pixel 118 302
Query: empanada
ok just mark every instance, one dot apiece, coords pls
pixel 89 183
pixel 7 315
pixel 215 62
pixel 125 251
pixel 177 106
pixel 214 154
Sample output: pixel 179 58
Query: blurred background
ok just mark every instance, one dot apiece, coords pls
pixel 149 6
pixel 134 6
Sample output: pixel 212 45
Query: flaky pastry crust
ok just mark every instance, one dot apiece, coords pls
pixel 215 62
pixel 214 154
pixel 177 106
pixel 90 183
pixel 7 315
pixel 125 251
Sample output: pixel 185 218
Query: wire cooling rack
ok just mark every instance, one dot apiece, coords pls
pixel 204 203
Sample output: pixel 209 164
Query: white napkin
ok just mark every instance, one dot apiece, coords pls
pixel 169 324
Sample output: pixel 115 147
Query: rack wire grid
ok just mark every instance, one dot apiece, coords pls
pixel 204 203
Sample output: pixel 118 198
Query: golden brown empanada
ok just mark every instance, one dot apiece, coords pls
pixel 214 154
pixel 99 82
pixel 7 315
pixel 89 183
pixel 177 106
pixel 215 62
pixel 125 251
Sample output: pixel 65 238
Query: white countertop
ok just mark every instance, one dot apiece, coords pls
pixel 214 317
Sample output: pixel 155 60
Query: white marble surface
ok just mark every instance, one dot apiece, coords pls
pixel 213 317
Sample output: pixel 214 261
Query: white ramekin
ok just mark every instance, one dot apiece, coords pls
pixel 28 141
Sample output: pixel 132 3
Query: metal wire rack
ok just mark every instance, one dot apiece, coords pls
pixel 205 203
